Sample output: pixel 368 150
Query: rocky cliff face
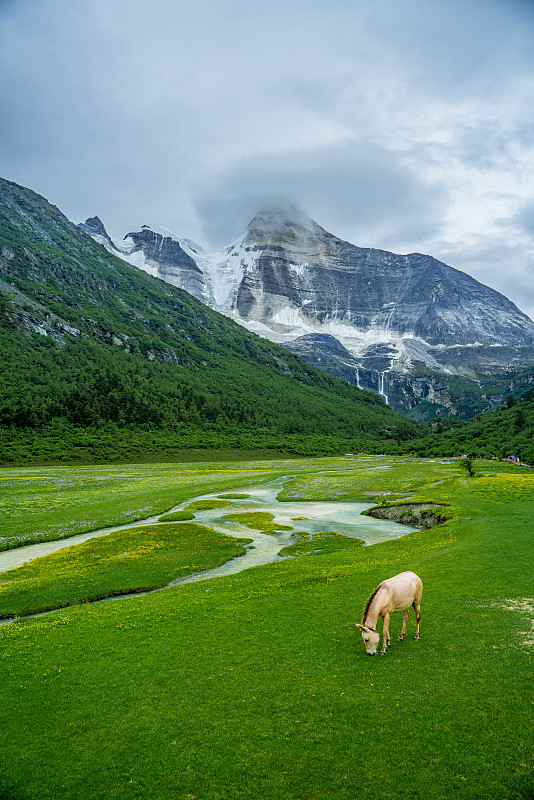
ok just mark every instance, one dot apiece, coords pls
pixel 395 317
pixel 302 276
pixel 422 394
pixel 156 251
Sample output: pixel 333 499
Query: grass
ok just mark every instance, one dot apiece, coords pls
pixel 177 516
pixel 207 505
pixel 323 542
pixel 133 560
pixel 363 479
pixel 258 686
pixel 259 521
pixel 43 504
pixel 47 503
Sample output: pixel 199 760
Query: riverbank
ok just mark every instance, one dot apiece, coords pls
pixel 151 554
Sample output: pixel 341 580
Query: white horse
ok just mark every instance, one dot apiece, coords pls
pixel 395 594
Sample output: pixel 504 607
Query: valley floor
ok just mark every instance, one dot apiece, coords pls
pixel 257 685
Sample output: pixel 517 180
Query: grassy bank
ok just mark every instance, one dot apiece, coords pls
pixel 46 503
pixel 43 504
pixel 133 560
pixel 258 686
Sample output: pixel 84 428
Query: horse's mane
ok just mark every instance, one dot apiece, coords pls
pixel 368 606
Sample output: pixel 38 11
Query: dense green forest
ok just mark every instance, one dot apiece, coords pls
pixel 501 434
pixel 86 400
pixel 89 343
pixel 87 383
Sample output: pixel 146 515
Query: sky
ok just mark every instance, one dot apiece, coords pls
pixel 404 125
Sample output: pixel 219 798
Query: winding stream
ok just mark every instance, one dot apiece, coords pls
pixel 303 516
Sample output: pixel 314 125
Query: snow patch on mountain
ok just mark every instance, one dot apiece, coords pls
pixel 224 270
pixel 286 277
pixel 136 258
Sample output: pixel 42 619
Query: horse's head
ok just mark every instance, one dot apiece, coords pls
pixel 370 638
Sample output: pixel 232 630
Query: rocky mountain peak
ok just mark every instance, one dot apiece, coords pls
pixel 278 221
pixel 95 228
pixel 356 311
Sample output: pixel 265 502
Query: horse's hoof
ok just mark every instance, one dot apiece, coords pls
pixel 400 638
pixel 383 653
pixel 417 638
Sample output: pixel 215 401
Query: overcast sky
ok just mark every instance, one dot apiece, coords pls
pixel 406 125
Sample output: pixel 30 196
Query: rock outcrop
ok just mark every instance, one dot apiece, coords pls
pixel 417 515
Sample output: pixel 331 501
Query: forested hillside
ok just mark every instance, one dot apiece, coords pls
pixel 504 433
pixel 94 350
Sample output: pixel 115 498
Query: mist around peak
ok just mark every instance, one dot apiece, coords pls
pixel 274 217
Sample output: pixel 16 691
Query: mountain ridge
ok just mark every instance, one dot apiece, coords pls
pixel 90 341
pixel 289 280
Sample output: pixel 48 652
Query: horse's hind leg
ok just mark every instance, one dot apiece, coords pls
pixel 404 623
pixel 417 609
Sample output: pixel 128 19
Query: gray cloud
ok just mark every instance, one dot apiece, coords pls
pixel 524 218
pixel 399 124
pixel 356 190
pixel 504 265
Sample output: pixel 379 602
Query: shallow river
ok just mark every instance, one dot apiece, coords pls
pixel 342 517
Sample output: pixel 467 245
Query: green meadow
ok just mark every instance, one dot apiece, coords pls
pixel 259 520
pixel 49 503
pixel 257 685
pixel 134 560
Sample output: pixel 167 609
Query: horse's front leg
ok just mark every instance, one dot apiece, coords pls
pixel 405 622
pixel 385 635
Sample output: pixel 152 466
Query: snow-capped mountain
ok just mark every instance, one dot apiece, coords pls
pixel 286 278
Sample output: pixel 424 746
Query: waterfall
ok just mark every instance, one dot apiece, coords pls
pixel 358 378
pixel 381 385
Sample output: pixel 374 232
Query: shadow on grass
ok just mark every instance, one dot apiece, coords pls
pixel 10 792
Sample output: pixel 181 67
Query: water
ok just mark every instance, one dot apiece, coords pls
pixel 381 385
pixel 344 517
pixel 303 516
